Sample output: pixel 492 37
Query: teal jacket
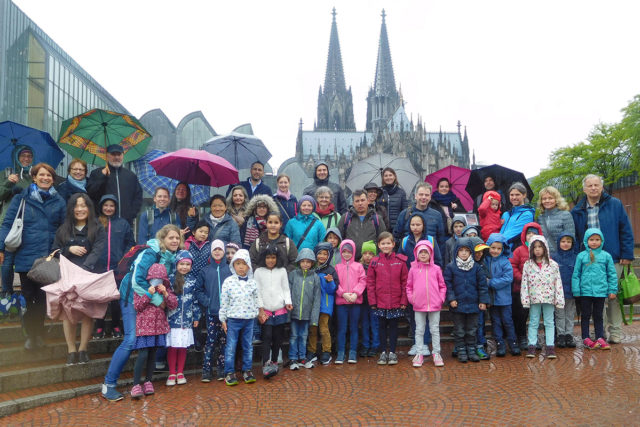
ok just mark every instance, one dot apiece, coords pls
pixel 594 279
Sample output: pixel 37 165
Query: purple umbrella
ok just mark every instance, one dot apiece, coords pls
pixel 458 177
pixel 196 167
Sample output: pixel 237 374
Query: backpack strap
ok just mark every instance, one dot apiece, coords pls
pixel 347 220
pixel 282 208
pixel 304 236
pixel 404 243
pixel 150 221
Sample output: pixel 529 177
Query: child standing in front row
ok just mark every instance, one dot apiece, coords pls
pixel 594 279
pixel 368 320
pixel 387 293
pixel 541 290
pixel 565 256
pixel 426 291
pixel 238 310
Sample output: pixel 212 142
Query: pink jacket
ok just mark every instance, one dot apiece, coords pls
pixel 150 319
pixel 426 289
pixel 352 276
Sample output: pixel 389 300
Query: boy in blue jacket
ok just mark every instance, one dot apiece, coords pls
pixel 207 291
pixel 565 256
pixel 329 282
pixel 501 277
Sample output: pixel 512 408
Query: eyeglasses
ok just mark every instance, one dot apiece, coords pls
pixel 78 169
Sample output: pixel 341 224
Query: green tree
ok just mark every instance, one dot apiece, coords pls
pixel 630 128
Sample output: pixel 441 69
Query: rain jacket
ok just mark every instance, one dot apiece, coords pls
pixel 566 262
pixel 521 255
pixel 328 289
pixel 226 230
pixel 297 226
pixel 187 310
pixel 426 289
pixel 160 219
pixel 41 220
pixel 361 231
pixel 541 284
pixel 352 277
pixel 555 222
pixel 500 272
pixel 250 223
pixel 200 253
pixel 489 219
pixel 287 250
pixel 209 285
pixel 594 279
pixel 394 200
pixel 273 288
pixel 336 259
pixel 123 184
pixel 468 288
pixel 239 298
pixel 288 207
pixel 119 239
pixel 432 219
pixel 408 243
pixel 261 188
pixel 387 281
pixel 329 221
pixel 514 221
pixel 94 248
pixel 338 199
pixel 450 245
pixel 137 277
pixel 8 189
pixel 306 294
pixel 614 224
pixel 150 318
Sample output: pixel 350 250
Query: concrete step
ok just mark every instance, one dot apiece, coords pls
pixel 14 353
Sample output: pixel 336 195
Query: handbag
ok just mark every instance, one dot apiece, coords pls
pixel 629 291
pixel 45 270
pixel 14 237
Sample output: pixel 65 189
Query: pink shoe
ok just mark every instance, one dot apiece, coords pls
pixel 418 360
pixel 136 391
pixel 181 379
pixel 589 343
pixel 147 387
pixel 603 344
pixel 171 380
pixel 437 359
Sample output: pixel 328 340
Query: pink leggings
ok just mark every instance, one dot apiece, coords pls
pixel 176 357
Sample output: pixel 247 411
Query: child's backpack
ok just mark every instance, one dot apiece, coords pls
pixel 12 307
pixel 124 265
pixel 349 217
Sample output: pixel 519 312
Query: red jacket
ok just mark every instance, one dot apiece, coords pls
pixel 490 221
pixel 521 255
pixel 150 319
pixel 387 281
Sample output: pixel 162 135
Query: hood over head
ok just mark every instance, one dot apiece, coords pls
pixel 464 242
pixel 458 218
pixel 539 238
pixel 523 235
pixel 260 199
pixel 306 253
pixel 334 230
pixel 105 198
pixel 324 246
pixel 573 241
pixel 315 175
pixel 493 194
pixel 420 246
pixel 470 228
pixel 590 232
pixel 158 271
pixel 497 237
pixel 242 254
pixel 348 243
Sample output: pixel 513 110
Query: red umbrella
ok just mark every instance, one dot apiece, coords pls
pixel 458 177
pixel 196 167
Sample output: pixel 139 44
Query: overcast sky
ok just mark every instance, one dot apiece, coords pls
pixel 524 77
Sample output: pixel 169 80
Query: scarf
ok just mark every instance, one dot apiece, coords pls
pixel 168 259
pixel 324 212
pixel 41 195
pixel 444 199
pixel 285 196
pixel 215 221
pixel 254 228
pixel 465 265
pixel 81 184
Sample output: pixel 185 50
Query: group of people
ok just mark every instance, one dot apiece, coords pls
pixel 341 277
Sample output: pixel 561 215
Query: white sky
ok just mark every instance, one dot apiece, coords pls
pixel 524 77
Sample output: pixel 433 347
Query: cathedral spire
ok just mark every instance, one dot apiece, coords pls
pixel 384 82
pixel 334 77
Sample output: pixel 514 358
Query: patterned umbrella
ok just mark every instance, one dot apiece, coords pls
pixel 88 135
pixel 149 180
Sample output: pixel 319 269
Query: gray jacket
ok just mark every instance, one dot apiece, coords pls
pixel 554 222
pixel 305 295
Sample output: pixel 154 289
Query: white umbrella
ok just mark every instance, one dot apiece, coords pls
pixel 370 170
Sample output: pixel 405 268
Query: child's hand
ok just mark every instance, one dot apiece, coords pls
pixel 151 290
pixel 612 296
pixel 403 307
pixel 163 305
pixel 195 323
pixel 224 326
pixel 453 304
pixel 162 289
pixel 289 307
pixel 328 278
pixel 184 231
pixel 454 206
pixel 482 306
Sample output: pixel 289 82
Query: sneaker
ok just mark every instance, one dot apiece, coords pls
pixel 417 361
pixel 569 341
pixel 384 359
pixel 181 379
pixel 256 341
pixel 312 357
pixel 531 351
pixel 220 377
pixel 462 355
pixel 589 343
pixel 393 358
pixel 561 341
pixel 294 365
pixel 110 393
pixel 171 381
pixel 523 343
pixel 231 379
pixel 372 352
pixel 206 377
pixel 472 354
pixel 147 387
pixel 72 358
pixel 363 352
pixel 269 369
pixel 482 355
pixel 603 344
pixel 98 334
pixel 425 351
pixel 352 357
pixel 501 349
pixel 551 352
pixel 308 364
pixel 136 391
pixel 117 333
pixel 325 359
pixel 248 377
pixel 83 357
pixel 339 359
pixel 454 352
pixel 437 359
pixel 413 350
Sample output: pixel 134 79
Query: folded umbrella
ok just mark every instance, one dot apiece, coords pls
pixel 196 167
pixel 458 177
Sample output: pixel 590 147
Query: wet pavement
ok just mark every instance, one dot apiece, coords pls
pixel 587 387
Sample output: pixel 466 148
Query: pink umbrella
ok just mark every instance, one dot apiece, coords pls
pixel 80 293
pixel 196 167
pixel 458 177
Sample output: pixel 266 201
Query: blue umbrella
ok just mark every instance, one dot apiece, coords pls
pixel 14 135
pixel 150 181
pixel 239 149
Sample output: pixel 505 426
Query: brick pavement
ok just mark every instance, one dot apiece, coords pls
pixel 580 387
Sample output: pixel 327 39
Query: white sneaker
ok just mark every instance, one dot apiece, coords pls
pixel 309 364
pixel 171 380
pixel 393 358
pixel 294 366
pixel 413 350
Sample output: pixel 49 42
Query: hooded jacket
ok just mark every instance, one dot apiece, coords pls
pixel 521 255
pixel 119 239
pixel 361 231
pixel 500 272
pixel 426 289
pixel 352 276
pixel 297 226
pixel 514 220
pixel 208 288
pixel 123 184
pixel 338 199
pixel 239 298
pixel 9 189
pixel 450 245
pixel 187 309
pixel 150 318
pixel 468 288
pixel 489 219
pixel 287 250
pixel 137 278
pixel 305 291
pixel 614 224
pixel 328 289
pixel 433 220
pixel 387 281
pixel 226 229
pixel 408 243
pixel 250 224
pixel 394 200
pixel 541 284
pixel 594 279
pixel 566 262
pixel 336 254
pixel 200 253
pixel 555 222
pixel 288 207
pixel 160 219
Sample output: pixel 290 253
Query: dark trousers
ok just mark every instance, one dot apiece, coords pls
pixel 592 306
pixel 502 324
pixel 388 327
pixel 215 345
pixel 520 315
pixel 36 306
pixel 114 307
pixel 272 338
pixel 464 328
pixel 146 360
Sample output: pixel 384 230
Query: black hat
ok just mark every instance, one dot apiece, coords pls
pixel 115 148
pixel 373 186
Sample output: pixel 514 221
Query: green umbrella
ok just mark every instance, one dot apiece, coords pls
pixel 88 135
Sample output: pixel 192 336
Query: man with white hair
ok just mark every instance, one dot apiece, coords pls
pixel 599 209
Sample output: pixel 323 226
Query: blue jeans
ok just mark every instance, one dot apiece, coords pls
pixel 122 353
pixel 481 340
pixel 298 339
pixel 7 272
pixel 547 311
pixel 502 324
pixel 238 329
pixel 348 316
pixel 257 330
pixel 370 332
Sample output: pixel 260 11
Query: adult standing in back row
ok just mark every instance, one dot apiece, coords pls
pixel 119 181
pixel 601 210
pixel 254 184
pixel 321 179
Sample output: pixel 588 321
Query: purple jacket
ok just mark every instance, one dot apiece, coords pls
pixel 152 320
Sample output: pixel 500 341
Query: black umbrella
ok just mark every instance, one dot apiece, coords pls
pixel 503 177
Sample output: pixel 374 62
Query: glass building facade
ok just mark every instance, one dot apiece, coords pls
pixel 40 84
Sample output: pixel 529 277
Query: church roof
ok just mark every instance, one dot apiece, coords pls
pixel 399 121
pixel 442 137
pixel 334 81
pixel 331 143
pixel 384 81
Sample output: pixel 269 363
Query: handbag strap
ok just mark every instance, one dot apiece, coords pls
pixel 52 254
pixel 20 213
